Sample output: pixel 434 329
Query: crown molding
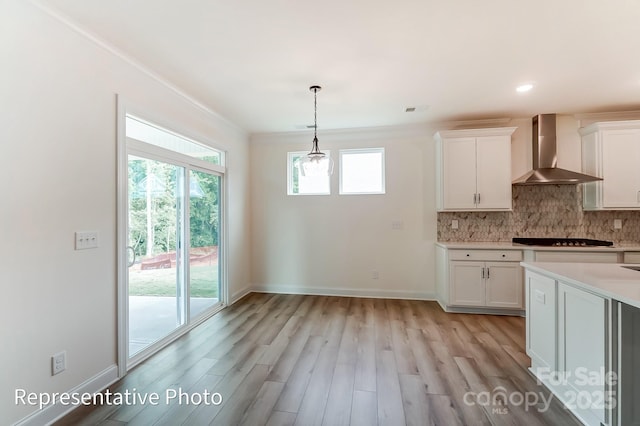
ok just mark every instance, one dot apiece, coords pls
pixel 590 118
pixel 342 135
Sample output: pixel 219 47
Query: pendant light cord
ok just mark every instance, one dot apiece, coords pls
pixel 315 114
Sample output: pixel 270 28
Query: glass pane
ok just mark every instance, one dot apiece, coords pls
pixel 155 278
pixel 145 132
pixel 204 223
pixel 362 172
pixel 306 185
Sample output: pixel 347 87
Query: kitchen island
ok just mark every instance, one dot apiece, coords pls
pixel 583 337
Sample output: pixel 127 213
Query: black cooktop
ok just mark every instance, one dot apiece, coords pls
pixel 562 242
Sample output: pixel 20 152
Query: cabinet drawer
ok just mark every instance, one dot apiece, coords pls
pixel 632 257
pixel 486 255
pixel 576 256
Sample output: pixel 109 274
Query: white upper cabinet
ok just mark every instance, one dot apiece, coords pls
pixel 611 150
pixel 474 169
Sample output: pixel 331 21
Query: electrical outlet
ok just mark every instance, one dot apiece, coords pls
pixel 397 224
pixel 454 224
pixel 617 224
pixel 375 275
pixel 58 363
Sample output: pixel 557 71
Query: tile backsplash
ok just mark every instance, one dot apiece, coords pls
pixel 541 211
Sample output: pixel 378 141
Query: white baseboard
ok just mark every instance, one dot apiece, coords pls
pixel 239 295
pixel 347 292
pixel 55 411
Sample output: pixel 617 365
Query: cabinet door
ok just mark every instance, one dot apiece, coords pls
pixel 459 173
pixel 541 321
pixel 503 285
pixel 582 324
pixel 621 168
pixel 493 174
pixel 467 283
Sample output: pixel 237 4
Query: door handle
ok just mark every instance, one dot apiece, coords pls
pixel 478 198
pixel 487 273
pixel 475 196
pixel 482 273
pixel 131 260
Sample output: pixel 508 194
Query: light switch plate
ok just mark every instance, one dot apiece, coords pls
pixel 617 224
pixel 86 240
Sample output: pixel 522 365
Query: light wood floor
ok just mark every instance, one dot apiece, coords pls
pixel 314 360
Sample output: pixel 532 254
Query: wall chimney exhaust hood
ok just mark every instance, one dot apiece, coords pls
pixel 545 158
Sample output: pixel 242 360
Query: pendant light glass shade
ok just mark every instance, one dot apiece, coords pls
pixel 315 163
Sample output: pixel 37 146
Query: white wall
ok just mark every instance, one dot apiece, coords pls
pixel 331 244
pixel 58 175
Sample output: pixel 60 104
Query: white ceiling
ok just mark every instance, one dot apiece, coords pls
pixel 253 60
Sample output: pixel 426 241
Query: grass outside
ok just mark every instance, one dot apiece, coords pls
pixel 162 282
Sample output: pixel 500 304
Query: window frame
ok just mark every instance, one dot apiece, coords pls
pixel 379 150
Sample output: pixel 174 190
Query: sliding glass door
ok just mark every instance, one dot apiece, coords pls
pixel 156 277
pixel 174 236
pixel 204 241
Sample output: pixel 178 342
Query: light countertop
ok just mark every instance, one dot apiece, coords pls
pixel 610 280
pixel 508 245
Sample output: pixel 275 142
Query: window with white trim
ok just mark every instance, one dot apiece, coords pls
pixel 305 185
pixel 362 171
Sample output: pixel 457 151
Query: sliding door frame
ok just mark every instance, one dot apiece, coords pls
pixel 126 147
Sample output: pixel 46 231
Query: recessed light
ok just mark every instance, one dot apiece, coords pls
pixel 524 88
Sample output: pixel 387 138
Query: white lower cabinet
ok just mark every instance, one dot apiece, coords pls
pixel 485 280
pixel 568 340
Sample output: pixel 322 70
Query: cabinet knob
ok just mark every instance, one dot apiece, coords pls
pixel 468 255
pixel 504 255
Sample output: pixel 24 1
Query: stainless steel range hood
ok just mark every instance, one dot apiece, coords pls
pixel 545 158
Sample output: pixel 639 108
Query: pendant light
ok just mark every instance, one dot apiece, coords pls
pixel 315 163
